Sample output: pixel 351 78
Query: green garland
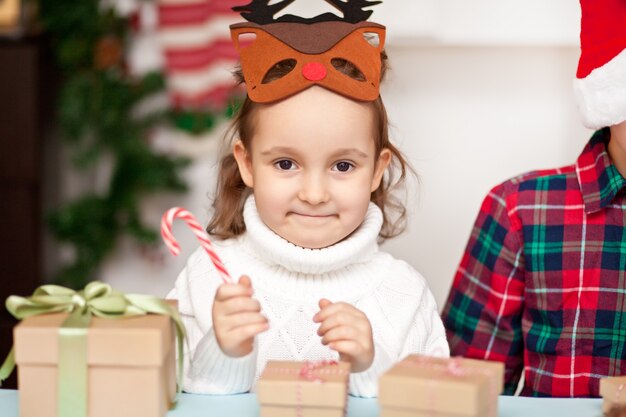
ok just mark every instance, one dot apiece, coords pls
pixel 96 118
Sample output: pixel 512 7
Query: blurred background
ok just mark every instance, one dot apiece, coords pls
pixel 112 111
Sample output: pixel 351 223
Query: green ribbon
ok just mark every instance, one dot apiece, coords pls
pixel 97 299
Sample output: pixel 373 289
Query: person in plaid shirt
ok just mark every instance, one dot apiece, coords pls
pixel 542 283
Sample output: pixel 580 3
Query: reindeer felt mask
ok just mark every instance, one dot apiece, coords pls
pixel 311 50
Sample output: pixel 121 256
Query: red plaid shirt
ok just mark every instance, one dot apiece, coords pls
pixel 542 284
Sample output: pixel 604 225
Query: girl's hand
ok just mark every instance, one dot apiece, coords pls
pixel 237 318
pixel 347 330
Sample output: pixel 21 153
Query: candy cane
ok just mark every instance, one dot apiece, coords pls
pixel 166 232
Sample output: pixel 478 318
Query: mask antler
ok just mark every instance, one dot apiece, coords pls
pixel 353 9
pixel 262 13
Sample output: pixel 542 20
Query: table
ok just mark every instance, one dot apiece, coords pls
pixel 245 405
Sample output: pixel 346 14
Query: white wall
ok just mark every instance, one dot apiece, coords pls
pixel 469 118
pixel 480 95
pixel 510 22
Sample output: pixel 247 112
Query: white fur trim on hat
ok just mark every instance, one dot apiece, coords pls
pixel 601 96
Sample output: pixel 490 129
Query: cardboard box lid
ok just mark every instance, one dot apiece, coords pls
pixel 130 341
pixel 494 369
pixel 423 383
pixel 613 389
pixel 281 384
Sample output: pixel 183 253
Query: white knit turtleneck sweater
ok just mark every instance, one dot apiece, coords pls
pixel 288 281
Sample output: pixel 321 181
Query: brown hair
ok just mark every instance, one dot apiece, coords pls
pixel 231 193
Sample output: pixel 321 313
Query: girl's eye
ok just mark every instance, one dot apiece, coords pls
pixel 285 165
pixel 343 166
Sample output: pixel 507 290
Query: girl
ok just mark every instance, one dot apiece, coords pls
pixel 303 197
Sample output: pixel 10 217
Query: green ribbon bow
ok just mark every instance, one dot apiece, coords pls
pixel 97 299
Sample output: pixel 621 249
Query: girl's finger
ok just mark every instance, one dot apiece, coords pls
pixel 341 333
pixel 348 348
pixel 242 319
pixel 243 333
pixel 343 318
pixel 245 281
pixel 226 291
pixel 238 305
pixel 334 308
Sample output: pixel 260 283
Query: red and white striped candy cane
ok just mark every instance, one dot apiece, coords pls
pixel 166 232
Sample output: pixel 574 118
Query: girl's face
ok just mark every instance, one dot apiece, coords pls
pixel 312 166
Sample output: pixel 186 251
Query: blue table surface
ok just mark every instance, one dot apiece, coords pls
pixel 245 405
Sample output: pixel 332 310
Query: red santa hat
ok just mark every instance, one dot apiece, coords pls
pixel 600 84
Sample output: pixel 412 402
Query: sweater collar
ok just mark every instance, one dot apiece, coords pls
pixel 263 243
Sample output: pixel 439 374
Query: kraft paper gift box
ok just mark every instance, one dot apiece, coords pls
pixel 131 365
pixel 283 391
pixel 613 390
pixel 421 386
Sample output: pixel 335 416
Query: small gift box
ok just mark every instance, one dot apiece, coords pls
pixel 131 367
pixel 613 391
pixel 303 389
pixel 421 386
pixel 94 353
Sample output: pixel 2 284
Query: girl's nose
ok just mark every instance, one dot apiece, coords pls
pixel 314 191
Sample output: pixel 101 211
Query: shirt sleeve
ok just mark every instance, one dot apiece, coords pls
pixel 207 370
pixel 484 309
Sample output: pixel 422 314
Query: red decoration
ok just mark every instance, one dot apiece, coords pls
pixel 314 71
pixel 108 52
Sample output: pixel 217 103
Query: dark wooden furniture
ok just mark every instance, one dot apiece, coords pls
pixel 24 100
